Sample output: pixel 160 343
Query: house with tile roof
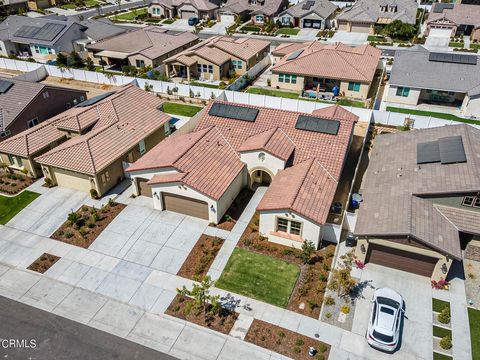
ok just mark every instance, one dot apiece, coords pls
pixel 148 46
pixel 365 14
pixel 462 19
pixel 420 209
pixel 88 146
pixel 316 14
pixel 299 156
pixel 218 58
pixel 184 9
pixel 258 11
pixel 24 104
pixel 322 67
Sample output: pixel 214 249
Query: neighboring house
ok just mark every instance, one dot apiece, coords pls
pixel 301 157
pixel 461 19
pixel 323 67
pixel 43 4
pixel 97 30
pixel 148 46
pixel 420 199
pixel 13 6
pixel 24 104
pixel 365 14
pixel 40 38
pixel 259 11
pixel 316 14
pixel 88 146
pixel 217 58
pixel 183 9
pixel 423 77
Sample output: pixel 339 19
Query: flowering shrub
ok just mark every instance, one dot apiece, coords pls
pixel 441 284
pixel 359 264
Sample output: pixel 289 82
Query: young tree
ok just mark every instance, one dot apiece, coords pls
pixel 90 64
pixel 202 299
pixel 62 59
pixel 308 248
pixel 341 280
pixel 399 30
pixel 75 60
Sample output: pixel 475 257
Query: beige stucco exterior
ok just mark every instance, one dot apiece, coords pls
pixel 437 272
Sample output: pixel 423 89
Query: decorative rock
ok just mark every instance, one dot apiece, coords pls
pixel 301 306
pixel 342 317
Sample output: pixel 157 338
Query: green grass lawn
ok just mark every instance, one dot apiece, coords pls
pixel 287 31
pixel 11 206
pixel 474 319
pixel 259 276
pixel 432 114
pixel 251 28
pixel 437 356
pixel 438 305
pixel 441 332
pixel 456 44
pixel 169 21
pixel 180 109
pixel 131 14
pixel 375 38
pixel 210 86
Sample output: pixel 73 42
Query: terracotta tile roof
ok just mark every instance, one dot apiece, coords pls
pixel 464 220
pixel 306 188
pixel 335 112
pixel 125 118
pixel 328 149
pixel 461 14
pixel 287 48
pixel 396 188
pixel 213 55
pixel 204 161
pixel 243 48
pixel 273 141
pixel 333 61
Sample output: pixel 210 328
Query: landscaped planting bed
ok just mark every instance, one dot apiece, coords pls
pixel 285 342
pixel 13 183
pixel 11 206
pixel 235 210
pixel 474 319
pixel 222 322
pixel 43 263
pixel 201 257
pixel 83 226
pixel 442 335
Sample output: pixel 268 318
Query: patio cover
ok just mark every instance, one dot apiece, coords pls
pixel 112 54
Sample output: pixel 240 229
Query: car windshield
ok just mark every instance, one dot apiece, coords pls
pixel 387 310
pixel 389 302
pixel 382 337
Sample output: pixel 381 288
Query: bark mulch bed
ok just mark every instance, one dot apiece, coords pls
pixel 223 322
pixel 43 263
pixel 83 227
pixel 309 290
pixel 235 210
pixel 11 183
pixel 285 342
pixel 201 257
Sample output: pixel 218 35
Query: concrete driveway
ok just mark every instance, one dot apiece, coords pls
pixel 350 38
pixel 140 234
pixel 417 329
pixel 438 39
pixel 179 25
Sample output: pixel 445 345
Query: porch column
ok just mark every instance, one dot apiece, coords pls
pixel 167 70
pixel 188 73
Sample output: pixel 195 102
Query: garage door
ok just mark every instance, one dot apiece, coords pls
pixel 363 28
pixel 144 189
pixel 227 19
pixel 188 14
pixel 315 24
pixel 72 180
pixel 184 205
pixel 401 260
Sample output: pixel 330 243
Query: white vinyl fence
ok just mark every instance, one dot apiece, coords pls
pixel 254 71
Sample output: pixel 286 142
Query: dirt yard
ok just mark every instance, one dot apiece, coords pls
pixel 91 88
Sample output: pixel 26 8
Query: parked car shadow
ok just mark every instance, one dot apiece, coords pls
pixel 357 291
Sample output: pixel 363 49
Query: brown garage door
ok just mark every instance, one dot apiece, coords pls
pixel 188 14
pixel 401 260
pixel 145 189
pixel 184 205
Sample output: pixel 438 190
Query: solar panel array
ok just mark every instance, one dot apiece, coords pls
pixel 4 86
pixel 453 58
pixel 47 32
pixel 295 54
pixel 233 112
pixel 447 150
pixel 316 124
pixel 439 7
pixel 308 4
pixel 95 99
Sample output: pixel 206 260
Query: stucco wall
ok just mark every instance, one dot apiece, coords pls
pixel 285 86
pixel 227 198
pixel 471 106
pixel 271 162
pixel 362 94
pixel 411 99
pixel 69 179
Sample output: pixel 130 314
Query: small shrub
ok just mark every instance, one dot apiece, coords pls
pixel 446 342
pixel 329 301
pixel 297 350
pixel 322 348
pixel 323 277
pixel 111 202
pixel 93 193
pixel 320 357
pixel 90 225
pixel 48 182
pixel 288 252
pixel 68 235
pixel 326 267
pixel 281 334
pixel 82 231
pixel 312 304
pixel 328 315
pixel 471 275
pixel 299 342
pixel 73 217
pixel 345 309
pixel 444 315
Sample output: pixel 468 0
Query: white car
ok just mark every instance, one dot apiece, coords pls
pixel 383 330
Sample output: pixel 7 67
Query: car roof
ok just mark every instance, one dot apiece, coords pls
pixel 389 294
pixel 386 316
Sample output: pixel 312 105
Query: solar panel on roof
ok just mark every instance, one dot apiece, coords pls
pixel 311 123
pixel 439 7
pixel 233 112
pixel 453 58
pixel 428 152
pixel 308 5
pixel 26 31
pixel 294 55
pixel 95 99
pixel 5 86
pixel 452 150
pixel 47 32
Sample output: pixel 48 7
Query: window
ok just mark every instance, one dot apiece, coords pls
pixel 46 95
pixel 282 225
pixel 280 77
pixel 11 159
pixel 32 123
pixel 42 50
pixel 210 69
pixel 82 98
pixel 140 63
pixel 295 227
pixel 353 86
pixel 199 68
pixel 141 147
pixel 294 79
pixel 19 161
pixel 237 64
pixel 287 78
pixel 259 18
pixel 285 20
pixel 5 133
pixel 468 200
pixel 476 203
pixel 403 91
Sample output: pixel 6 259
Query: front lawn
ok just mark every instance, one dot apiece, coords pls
pixel 287 31
pixel 180 109
pixel 169 21
pixel 438 115
pixel 441 332
pixel 131 15
pixel 196 83
pixel 251 28
pixel 11 206
pixel 260 277
pixel 474 319
pixel 439 305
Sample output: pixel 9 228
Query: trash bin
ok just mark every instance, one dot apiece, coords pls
pixel 351 240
